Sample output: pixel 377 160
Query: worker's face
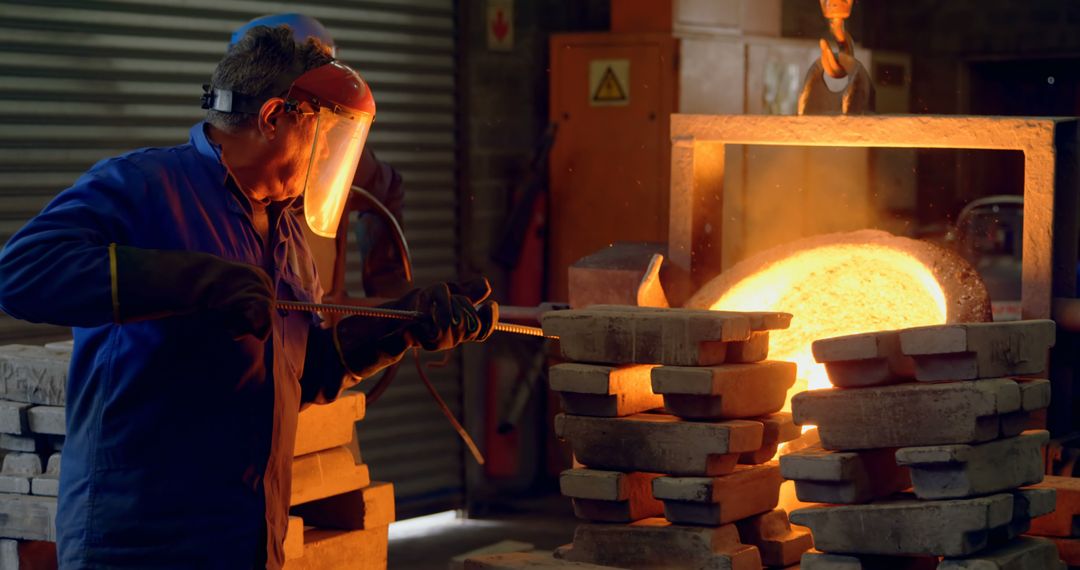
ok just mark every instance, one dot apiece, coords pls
pixel 314 153
pixel 290 153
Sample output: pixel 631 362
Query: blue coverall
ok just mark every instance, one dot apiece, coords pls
pixel 179 438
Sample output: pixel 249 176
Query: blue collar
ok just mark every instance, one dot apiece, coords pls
pixel 215 167
pixel 210 151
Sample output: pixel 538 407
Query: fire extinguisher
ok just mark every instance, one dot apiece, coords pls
pixel 521 251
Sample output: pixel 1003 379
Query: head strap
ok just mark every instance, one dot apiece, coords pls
pixel 226 101
pixel 229 101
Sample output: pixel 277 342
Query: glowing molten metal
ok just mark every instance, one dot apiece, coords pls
pixel 843 284
pixel 836 290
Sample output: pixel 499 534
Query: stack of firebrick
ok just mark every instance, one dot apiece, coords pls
pixel 927 455
pixel 673 416
pixel 339 516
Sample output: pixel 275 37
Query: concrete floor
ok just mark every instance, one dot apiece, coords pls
pixel 545 522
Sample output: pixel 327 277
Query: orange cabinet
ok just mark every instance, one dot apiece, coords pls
pixel 612 96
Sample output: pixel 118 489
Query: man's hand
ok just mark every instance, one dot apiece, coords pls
pixel 157 283
pixel 243 296
pixel 451 314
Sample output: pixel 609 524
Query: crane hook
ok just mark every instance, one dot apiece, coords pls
pixel 837 12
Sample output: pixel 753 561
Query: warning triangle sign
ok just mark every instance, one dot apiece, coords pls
pixel 609 90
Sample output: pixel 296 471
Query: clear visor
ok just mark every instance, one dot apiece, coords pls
pixel 335 153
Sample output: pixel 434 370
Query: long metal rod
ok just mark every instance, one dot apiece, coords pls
pixel 383 313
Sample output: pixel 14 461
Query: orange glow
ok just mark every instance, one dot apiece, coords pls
pixel 835 290
pixel 335 151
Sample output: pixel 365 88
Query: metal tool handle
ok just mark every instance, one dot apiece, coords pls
pixel 398 314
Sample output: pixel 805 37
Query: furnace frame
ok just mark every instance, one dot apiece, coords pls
pixel 1051 180
pixel 1051 190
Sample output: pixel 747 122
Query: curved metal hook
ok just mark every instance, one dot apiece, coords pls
pixel 833 61
pixel 837 12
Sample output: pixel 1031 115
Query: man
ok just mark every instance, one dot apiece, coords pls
pixel 381 266
pixel 186 381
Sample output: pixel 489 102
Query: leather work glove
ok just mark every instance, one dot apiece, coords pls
pixel 451 314
pixel 151 283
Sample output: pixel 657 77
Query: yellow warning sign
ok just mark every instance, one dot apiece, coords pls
pixel 609 82
pixel 609 89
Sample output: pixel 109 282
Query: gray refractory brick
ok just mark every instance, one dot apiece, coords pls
pixel 325 426
pixel 715 501
pixel 27 464
pixel 47 420
pixel 48 483
pixel 1024 553
pixel 604 391
pixel 13 417
pixel 17 484
pixel 612 275
pixel 33 374
pixel 48 486
pixel 756 348
pixel 908 415
pixel 9 554
pixel 814 560
pixel 18 470
pixel 780 545
pixel 779 428
pixel 656 543
pixel 760 321
pixel 1065 520
pixel 635 335
pixel 370 507
pixel 1028 504
pixel 957 471
pixel 978 350
pixel 956 527
pixel 659 443
pixel 61 346
pixel 604 485
pixel 763 321
pixel 729 391
pixel 614 511
pixel 844 477
pixel 10 442
pixel 862 360
pixel 610 496
pixel 28 517
pixel 326 473
pixel 1033 502
pixel 1034 396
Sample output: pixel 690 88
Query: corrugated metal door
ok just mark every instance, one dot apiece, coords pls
pixel 82 80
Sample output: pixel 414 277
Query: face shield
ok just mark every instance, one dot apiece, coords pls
pixel 343 110
pixel 335 153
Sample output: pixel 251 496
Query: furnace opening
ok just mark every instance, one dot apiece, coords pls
pixel 847 283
